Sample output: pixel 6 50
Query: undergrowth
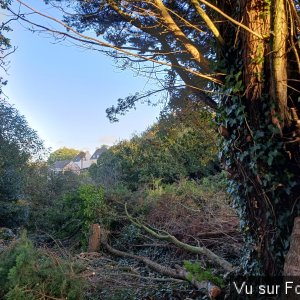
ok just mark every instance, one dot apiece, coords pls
pixel 27 273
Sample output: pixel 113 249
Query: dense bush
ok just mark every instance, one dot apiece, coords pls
pixel 14 214
pixel 18 145
pixel 200 274
pixel 45 192
pixel 71 214
pixel 169 150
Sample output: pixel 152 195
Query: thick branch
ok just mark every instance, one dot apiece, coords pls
pixel 184 75
pixel 95 41
pixel 167 19
pixel 193 249
pixel 208 22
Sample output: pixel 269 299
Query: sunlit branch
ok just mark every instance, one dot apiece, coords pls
pixel 208 22
pixel 178 33
pixel 98 42
pixel 230 19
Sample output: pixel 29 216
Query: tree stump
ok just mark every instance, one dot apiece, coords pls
pixel 292 260
pixel 94 239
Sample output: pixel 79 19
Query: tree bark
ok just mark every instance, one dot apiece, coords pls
pixel 262 148
pixel 292 261
pixel 94 239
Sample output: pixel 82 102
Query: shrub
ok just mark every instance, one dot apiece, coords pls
pixel 70 216
pixel 13 213
pixel 28 274
pixel 92 204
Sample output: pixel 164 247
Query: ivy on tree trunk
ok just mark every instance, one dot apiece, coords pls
pixel 260 115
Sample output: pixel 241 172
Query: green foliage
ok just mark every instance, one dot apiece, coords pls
pixel 208 191
pixel 71 214
pixel 62 154
pixel 45 192
pixel 14 213
pixel 264 183
pixel 214 183
pixel 200 274
pixel 18 144
pixel 92 204
pixel 169 150
pixel 16 132
pixel 108 170
pixel 28 273
pixel 62 219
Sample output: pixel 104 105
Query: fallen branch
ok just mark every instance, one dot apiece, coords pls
pixel 193 249
pixel 178 273
pixel 155 278
pixel 215 234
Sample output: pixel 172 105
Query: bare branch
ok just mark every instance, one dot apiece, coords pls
pixel 88 39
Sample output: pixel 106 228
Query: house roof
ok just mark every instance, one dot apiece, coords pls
pixel 98 152
pixel 60 164
pixel 81 155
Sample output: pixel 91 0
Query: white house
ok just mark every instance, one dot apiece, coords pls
pixel 82 160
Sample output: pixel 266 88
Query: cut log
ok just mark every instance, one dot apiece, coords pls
pixel 94 239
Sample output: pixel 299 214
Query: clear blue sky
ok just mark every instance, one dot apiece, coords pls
pixel 63 92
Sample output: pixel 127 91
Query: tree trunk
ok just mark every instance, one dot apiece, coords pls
pixel 261 151
pixel 94 238
pixel 292 261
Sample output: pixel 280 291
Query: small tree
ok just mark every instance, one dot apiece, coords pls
pixel 18 144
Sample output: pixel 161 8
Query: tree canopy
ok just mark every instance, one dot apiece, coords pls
pixel 62 154
pixel 182 144
pixel 18 144
pixel 170 33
